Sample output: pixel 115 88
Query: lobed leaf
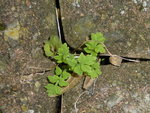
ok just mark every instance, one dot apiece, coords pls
pixel 100 49
pixel 78 70
pixel 63 54
pixel 53 79
pixel 63 83
pixel 53 90
pixel 98 37
pixel 58 71
pixel 47 50
pixel 58 58
pixel 88 59
pixel 65 75
pixel 85 68
pixel 55 42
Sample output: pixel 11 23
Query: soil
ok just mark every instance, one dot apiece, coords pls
pixel 125 24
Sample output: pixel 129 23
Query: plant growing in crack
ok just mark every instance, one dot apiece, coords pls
pixel 71 67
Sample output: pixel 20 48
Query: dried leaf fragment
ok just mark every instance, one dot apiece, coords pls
pixel 115 60
pixel 88 82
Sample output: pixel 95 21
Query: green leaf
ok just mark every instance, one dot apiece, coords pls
pixel 98 37
pixel 92 74
pixel 53 79
pixel 92 52
pixel 91 44
pixel 51 46
pixel 63 83
pixel 47 50
pixel 85 68
pixel 58 71
pixel 55 42
pixel 94 47
pixel 78 70
pixel 58 58
pixel 65 75
pixel 63 54
pixel 96 65
pixel 64 49
pixel 100 49
pixel 58 90
pixel 71 61
pixel 88 59
pixel 53 90
pixel 87 50
pixel 98 71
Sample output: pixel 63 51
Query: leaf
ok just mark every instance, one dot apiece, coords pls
pixel 96 65
pixel 98 71
pixel 85 68
pixel 63 83
pixel 58 71
pixel 51 46
pixel 55 42
pixel 58 58
pixel 53 90
pixel 92 74
pixel 64 49
pixel 96 68
pixel 53 79
pixel 78 70
pixel 91 44
pixel 87 50
pixel 47 50
pixel 63 54
pixel 58 90
pixel 88 59
pixel 98 37
pixel 65 75
pixel 71 61
pixel 94 47
pixel 100 49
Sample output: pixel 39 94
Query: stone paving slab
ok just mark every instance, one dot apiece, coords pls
pixel 125 24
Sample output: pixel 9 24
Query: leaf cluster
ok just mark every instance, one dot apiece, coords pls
pixel 57 81
pixel 95 45
pixel 51 46
pixel 63 54
pixel 83 64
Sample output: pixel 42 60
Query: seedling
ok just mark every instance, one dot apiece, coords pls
pixel 68 64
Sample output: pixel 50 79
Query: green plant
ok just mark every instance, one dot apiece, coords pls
pixel 85 63
pixel 51 46
pixel 95 45
pixel 57 81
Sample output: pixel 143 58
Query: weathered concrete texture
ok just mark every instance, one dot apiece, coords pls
pixel 126 25
pixel 124 89
pixel 29 23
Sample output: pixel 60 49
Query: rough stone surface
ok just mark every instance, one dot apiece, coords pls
pixel 28 24
pixel 126 25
